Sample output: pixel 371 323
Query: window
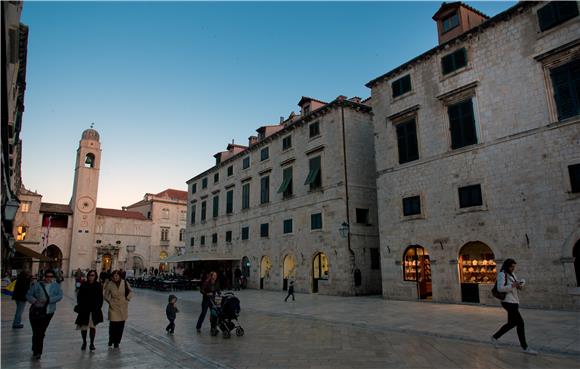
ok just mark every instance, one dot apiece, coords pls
pixel 245 233
pixel 314 178
pixel 306 109
pixel 21 231
pixel 362 216
pixel 246 196
pixel 401 86
pixel 412 205
pixel 148 215
pixel 286 143
pixel 192 214
pixel 375 258
pixel 450 22
pixel 316 221
pixel 202 241
pixel 286 186
pixel 164 233
pixel 264 230
pixel 165 213
pixel 246 162
pixel 90 161
pixel 216 177
pixel 287 226
pixel 556 12
pixel 314 129
pixel 229 236
pixel 265 190
pixel 454 61
pixel 470 196
pixel 407 141
pixel 214 238
pixel 194 188
pixel 264 153
pixel 574 171
pixel 181 234
pixel 25 206
pixel 230 170
pixel 462 124
pixel 192 241
pixel 204 183
pixel 203 210
pixel 183 215
pixel 216 206
pixel 566 83
pixel 230 202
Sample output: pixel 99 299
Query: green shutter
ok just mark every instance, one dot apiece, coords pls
pixel 312 177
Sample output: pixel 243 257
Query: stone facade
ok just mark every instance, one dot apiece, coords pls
pixel 521 160
pixel 318 260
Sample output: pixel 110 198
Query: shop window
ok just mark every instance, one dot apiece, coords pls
pixel 265 267
pixel 90 161
pixel 470 196
pixel 287 226
pixel 320 266
pixel 314 129
pixel 407 141
pixel 230 170
pixel 454 61
pixel 246 162
pixel 216 206
pixel 555 13
pixel 246 196
pixel 574 172
pixel 362 216
pixel 264 228
pixel 417 268
pixel 566 84
pixel 245 233
pixel 21 231
pixel 264 190
pixel 401 86
pixel 412 205
pixel 204 183
pixel 477 263
pixel 264 153
pixel 286 186
pixel 286 143
pixel 163 255
pixel 375 258
pixel 316 221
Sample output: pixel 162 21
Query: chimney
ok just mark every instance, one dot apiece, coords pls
pixel 281 120
pixel 252 140
pixel 456 18
pixel 355 99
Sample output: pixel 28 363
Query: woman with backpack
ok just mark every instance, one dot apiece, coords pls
pixel 117 294
pixel 507 286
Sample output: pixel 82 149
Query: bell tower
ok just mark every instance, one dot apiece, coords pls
pixel 84 200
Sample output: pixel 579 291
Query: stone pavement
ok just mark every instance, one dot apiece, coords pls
pixel 313 332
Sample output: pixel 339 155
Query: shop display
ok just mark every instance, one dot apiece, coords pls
pixel 478 270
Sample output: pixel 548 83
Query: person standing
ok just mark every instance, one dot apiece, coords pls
pixel 290 291
pixel 117 294
pixel 19 296
pixel 89 305
pixel 43 297
pixel 507 283
pixel 171 311
pixel 237 278
pixel 208 289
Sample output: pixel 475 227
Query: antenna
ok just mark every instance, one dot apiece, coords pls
pixel 92 124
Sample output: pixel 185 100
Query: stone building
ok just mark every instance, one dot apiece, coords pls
pixel 478 158
pixel 298 203
pixel 14 57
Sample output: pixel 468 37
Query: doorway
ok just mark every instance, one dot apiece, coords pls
pixel 288 270
pixel 107 261
pixel 417 268
pixel 320 270
pixel 265 267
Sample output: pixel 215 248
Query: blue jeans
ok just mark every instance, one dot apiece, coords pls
pixel 20 305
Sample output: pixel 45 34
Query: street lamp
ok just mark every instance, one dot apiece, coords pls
pixel 10 209
pixel 344 228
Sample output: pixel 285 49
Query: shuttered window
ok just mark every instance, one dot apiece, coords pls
pixel 246 196
pixel 401 86
pixel 214 238
pixel 230 202
pixel 194 188
pixel 203 210
pixel 216 206
pixel 314 178
pixel 264 228
pixel 407 141
pixel 566 83
pixel 230 170
pixel 462 124
pixel 286 186
pixel 555 13
pixel 287 226
pixel 193 214
pixel 412 205
pixel 246 162
pixel 454 61
pixel 314 129
pixel 316 221
pixel 204 183
pixel 245 233
pixel 265 190
pixel 286 143
pixel 470 196
pixel 264 153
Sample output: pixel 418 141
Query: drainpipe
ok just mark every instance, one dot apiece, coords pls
pixel 346 189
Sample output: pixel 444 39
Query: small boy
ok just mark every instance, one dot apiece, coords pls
pixel 171 311
pixel 290 291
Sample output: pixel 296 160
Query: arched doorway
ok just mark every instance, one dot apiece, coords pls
pixel 265 267
pixel 246 267
pixel 576 255
pixel 417 268
pixel 288 270
pixel 55 255
pixel 320 270
pixel 476 266
pixel 106 262
pixel 138 264
pixel 163 265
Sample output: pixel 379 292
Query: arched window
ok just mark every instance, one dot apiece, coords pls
pixel 21 232
pixel 246 266
pixel 265 267
pixel 477 263
pixel 90 161
pixel 576 254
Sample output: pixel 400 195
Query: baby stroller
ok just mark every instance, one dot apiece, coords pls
pixel 224 312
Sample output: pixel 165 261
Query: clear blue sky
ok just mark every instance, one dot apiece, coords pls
pixel 170 84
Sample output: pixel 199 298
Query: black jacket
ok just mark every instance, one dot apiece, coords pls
pixel 90 301
pixel 171 311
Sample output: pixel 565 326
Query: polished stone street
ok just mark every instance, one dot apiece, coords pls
pixel 312 332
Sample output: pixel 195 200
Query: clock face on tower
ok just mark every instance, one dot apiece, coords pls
pixel 85 204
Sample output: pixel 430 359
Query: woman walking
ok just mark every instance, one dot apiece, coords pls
pixel 507 283
pixel 117 294
pixel 89 304
pixel 208 289
pixel 43 297
pixel 19 296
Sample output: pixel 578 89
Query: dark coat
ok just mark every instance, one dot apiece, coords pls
pixel 21 288
pixel 90 301
pixel 171 311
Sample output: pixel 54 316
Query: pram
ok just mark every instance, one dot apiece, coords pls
pixel 224 312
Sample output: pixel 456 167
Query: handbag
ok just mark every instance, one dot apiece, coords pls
pixel 39 312
pixel 495 292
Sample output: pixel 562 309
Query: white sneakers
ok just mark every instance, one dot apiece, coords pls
pixel 529 351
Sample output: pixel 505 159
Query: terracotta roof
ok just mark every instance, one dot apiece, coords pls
pixel 456 4
pixel 308 99
pixel 173 194
pixel 46 207
pixel 120 214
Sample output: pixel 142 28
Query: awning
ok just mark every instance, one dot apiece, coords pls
pixel 29 253
pixel 189 257
pixel 284 185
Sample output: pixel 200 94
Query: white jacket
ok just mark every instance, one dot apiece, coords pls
pixel 511 293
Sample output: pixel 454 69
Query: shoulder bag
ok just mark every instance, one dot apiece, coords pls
pixel 39 312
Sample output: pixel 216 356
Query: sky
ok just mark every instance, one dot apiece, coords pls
pixel 169 84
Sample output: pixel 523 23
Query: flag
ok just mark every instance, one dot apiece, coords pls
pixel 46 233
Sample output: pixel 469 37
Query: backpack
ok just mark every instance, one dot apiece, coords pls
pixel 496 293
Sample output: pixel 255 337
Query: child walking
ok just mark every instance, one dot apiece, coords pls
pixel 290 291
pixel 171 311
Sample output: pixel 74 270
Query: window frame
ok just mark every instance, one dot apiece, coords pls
pixel 204 183
pixel 216 206
pixel 246 195
pixel 398 126
pixel 312 222
pixel 265 189
pixel 246 163
pixel 448 17
pixel 285 222
pixel 405 205
pixel 452 56
pixel 245 233
pixel 312 132
pixel 266 156
pixel 398 86
pixel 558 18
pixel 285 145
pixel 264 230
pixel 230 171
pixel 461 124
pixel 464 188
pixel 367 216
pixel 230 201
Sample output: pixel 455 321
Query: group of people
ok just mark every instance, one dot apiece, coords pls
pixel 44 294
